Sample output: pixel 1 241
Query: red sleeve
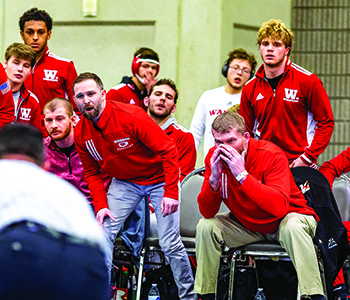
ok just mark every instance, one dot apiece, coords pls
pixel 92 174
pixel 71 76
pixel 335 167
pixel 151 135
pixel 246 110
pixel 273 193
pixel 7 106
pixel 208 201
pixel 187 153
pixel 320 107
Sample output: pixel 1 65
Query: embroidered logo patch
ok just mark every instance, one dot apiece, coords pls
pixel 50 75
pixel 291 95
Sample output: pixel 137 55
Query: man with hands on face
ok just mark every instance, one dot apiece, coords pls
pixel 133 90
pixel 142 161
pixel 254 181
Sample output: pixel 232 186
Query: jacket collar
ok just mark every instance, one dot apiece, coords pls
pixel 168 122
pixel 261 71
pixel 102 123
pixel 24 92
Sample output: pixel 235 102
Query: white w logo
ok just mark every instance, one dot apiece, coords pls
pixel 50 75
pixel 25 114
pixel 291 94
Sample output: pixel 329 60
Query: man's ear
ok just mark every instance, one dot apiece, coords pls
pixel 49 34
pixel 247 136
pixel 173 109
pixel 287 51
pixel 146 101
pixel 73 119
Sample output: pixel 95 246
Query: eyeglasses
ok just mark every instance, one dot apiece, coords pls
pixel 238 68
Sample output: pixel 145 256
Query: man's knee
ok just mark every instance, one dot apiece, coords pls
pixel 204 227
pixel 295 224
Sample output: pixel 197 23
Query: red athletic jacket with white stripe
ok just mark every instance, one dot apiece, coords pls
pixel 127 144
pixel 127 92
pixel 186 148
pixel 265 197
pixel 297 117
pixel 28 109
pixel 7 106
pixel 52 76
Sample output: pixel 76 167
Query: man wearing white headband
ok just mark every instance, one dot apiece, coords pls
pixel 132 90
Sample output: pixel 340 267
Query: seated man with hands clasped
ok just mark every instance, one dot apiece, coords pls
pixel 253 179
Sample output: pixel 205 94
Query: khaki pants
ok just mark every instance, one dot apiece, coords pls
pixel 295 234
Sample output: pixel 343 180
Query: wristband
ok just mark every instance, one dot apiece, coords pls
pixel 241 175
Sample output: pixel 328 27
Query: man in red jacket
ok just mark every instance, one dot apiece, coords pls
pixel 284 103
pixel 133 90
pixel 52 76
pixel 160 105
pixel 7 107
pixel 254 181
pixel 142 160
pixel 19 61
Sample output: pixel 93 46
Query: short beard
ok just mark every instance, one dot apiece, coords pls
pixel 160 116
pixel 65 133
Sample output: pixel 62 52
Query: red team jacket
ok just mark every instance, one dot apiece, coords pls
pixel 335 167
pixel 28 109
pixel 127 92
pixel 127 144
pixel 52 76
pixel 7 106
pixel 184 141
pixel 297 117
pixel 265 197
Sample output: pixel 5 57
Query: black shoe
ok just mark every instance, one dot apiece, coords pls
pixel 207 297
pixel 340 292
pixel 313 297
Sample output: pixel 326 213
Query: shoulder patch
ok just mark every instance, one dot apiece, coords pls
pixel 5 88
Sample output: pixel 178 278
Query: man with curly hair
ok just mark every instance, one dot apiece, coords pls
pixel 237 69
pixel 52 76
pixel 284 103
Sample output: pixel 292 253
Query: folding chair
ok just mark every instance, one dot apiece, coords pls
pixel 259 251
pixel 189 217
pixel 320 197
pixel 341 191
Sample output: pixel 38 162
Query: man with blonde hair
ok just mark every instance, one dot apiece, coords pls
pixel 284 103
pixel 254 181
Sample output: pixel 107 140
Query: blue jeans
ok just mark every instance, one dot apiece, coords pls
pixel 36 264
pixel 123 197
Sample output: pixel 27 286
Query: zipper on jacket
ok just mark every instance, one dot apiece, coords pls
pixel 69 165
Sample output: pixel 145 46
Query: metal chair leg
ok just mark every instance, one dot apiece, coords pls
pixel 139 280
pixel 232 274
